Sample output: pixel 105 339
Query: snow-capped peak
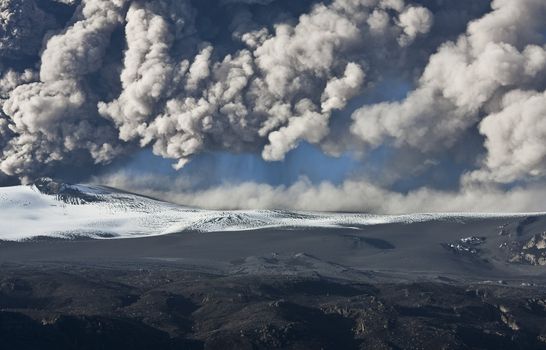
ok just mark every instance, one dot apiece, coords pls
pixel 52 208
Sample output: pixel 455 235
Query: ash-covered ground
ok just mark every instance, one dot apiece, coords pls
pixel 158 306
pixel 450 283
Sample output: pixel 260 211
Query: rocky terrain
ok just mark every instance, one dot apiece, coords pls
pixel 531 252
pixel 157 307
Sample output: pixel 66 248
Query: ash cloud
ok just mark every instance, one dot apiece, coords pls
pixel 87 83
pixel 467 82
pixel 349 196
pixel 180 95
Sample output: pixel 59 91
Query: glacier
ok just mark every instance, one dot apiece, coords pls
pixel 50 209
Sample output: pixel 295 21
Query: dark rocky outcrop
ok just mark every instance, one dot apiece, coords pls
pixel 67 193
pixel 530 252
pixel 75 307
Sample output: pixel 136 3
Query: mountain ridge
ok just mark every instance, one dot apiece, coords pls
pixel 51 208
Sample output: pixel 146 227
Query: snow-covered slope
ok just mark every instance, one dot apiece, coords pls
pixel 27 212
pixel 53 209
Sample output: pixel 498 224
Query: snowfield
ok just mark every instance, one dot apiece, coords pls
pixel 75 211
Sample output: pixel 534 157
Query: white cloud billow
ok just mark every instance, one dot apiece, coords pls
pixel 168 75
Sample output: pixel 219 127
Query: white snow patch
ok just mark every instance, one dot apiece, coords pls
pixel 26 213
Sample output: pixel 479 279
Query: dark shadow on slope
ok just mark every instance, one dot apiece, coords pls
pixel 19 331
pixel 373 242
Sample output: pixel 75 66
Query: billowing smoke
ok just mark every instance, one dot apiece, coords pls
pixel 515 138
pixel 277 87
pixel 54 119
pixel 349 196
pixel 86 83
pixel 278 90
pixel 483 77
pixel 22 27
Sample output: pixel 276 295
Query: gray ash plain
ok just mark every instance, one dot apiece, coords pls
pixel 442 284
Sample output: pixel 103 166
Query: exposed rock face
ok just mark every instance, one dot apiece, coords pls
pixel 64 192
pixel 537 242
pixel 465 246
pixel 49 186
pixel 531 252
